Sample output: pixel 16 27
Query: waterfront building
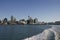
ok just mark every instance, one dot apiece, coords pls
pixel 5 21
pixel 30 20
pixel 42 22
pixel 22 21
pixel 57 22
pixel 29 17
pixel 13 20
pixel 36 20
pixel 0 22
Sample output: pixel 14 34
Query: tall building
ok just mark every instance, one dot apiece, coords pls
pixel 13 20
pixel 30 20
pixel 0 21
pixel 35 20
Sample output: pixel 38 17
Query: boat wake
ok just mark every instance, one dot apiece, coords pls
pixel 48 34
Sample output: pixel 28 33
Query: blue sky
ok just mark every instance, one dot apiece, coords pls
pixel 44 10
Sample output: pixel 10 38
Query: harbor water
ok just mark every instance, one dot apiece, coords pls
pixel 29 32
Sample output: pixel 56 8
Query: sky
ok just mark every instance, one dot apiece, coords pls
pixel 44 10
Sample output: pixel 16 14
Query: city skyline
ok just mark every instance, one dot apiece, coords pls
pixel 44 10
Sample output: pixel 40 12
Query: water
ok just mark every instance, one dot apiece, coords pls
pixel 28 32
pixel 52 33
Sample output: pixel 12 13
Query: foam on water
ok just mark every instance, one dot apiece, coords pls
pixel 48 34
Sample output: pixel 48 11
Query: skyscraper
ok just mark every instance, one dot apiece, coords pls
pixel 12 18
pixel 30 20
pixel 35 20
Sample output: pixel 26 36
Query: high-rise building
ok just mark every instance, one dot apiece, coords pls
pixel 0 22
pixel 12 18
pixel 30 20
pixel 35 20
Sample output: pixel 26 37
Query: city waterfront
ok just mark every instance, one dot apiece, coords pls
pixel 29 20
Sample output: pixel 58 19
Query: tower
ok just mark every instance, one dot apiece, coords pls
pixel 35 20
pixel 12 18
